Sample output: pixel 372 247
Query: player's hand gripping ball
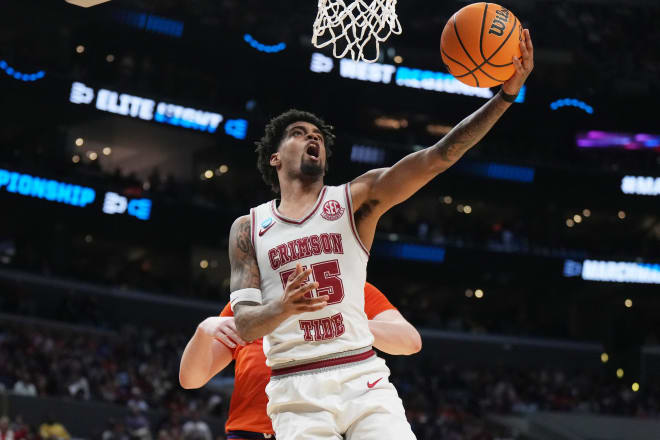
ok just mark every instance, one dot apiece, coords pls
pixel 479 43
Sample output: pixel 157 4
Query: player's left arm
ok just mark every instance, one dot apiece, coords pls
pixel 393 334
pixel 383 188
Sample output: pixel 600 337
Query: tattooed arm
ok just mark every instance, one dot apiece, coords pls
pixel 254 320
pixel 377 191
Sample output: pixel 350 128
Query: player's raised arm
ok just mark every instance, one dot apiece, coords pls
pixel 386 187
pixel 253 318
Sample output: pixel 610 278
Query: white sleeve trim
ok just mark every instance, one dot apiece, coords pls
pixel 250 294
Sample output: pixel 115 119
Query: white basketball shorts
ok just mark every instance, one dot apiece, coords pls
pixel 352 401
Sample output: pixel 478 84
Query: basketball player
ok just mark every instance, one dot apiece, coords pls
pixel 298 269
pixel 215 344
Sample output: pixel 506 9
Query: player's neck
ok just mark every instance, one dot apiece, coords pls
pixel 298 197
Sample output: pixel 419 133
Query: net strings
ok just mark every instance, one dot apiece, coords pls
pixel 354 26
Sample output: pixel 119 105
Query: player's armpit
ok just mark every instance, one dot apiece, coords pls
pixel 242 258
pixel 361 190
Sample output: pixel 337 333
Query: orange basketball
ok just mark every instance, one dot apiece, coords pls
pixel 478 43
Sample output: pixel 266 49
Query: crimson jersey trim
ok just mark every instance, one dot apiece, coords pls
pixel 254 220
pixel 273 208
pixel 322 364
pixel 349 203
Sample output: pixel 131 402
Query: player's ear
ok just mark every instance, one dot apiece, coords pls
pixel 275 159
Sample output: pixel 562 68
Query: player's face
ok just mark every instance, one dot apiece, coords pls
pixel 302 150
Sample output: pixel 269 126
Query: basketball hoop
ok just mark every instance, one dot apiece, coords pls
pixel 350 26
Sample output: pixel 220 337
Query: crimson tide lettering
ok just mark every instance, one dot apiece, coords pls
pixel 318 333
pixel 322 329
pixel 315 244
pixel 272 256
pixel 305 247
pixel 336 243
pixel 294 251
pixel 306 327
pixel 338 323
pixel 326 244
pixel 282 253
pixel 328 330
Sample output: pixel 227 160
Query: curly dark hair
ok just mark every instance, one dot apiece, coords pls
pixel 274 133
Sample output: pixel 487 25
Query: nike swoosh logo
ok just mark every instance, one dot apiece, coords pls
pixel 373 384
pixel 264 230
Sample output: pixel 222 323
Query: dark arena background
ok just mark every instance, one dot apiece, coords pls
pixel 531 268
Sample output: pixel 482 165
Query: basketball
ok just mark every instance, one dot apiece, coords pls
pixel 478 43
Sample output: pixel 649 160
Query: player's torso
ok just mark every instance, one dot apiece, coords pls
pixel 326 240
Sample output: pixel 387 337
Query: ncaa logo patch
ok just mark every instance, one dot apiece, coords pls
pixel 266 225
pixel 267 222
pixel 332 210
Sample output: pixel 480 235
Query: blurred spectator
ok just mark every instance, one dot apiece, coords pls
pixel 6 432
pixel 53 430
pixel 171 428
pixel 22 431
pixel 137 424
pixel 196 429
pixel 115 431
pixel 136 400
pixel 24 386
pixel 78 384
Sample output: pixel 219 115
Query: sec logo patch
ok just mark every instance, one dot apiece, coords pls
pixel 332 210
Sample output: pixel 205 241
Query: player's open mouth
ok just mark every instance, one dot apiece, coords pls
pixel 313 149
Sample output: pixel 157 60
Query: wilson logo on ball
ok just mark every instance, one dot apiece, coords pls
pixel 332 210
pixel 499 23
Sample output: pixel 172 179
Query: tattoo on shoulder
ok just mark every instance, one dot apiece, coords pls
pixel 243 238
pixel 242 258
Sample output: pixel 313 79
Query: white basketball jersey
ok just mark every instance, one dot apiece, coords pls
pixel 326 241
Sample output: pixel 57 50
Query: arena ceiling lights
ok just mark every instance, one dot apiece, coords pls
pixel 279 47
pixel 608 139
pixel 25 77
pixel 570 102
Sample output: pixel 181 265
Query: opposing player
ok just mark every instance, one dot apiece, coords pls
pixel 326 381
pixel 215 344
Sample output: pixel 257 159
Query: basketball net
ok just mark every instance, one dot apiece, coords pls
pixel 350 26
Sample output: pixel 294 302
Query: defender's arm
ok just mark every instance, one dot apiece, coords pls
pixel 393 334
pixel 209 351
pixel 203 358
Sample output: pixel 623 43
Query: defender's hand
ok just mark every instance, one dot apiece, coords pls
pixel 223 329
pixel 293 300
pixel 523 66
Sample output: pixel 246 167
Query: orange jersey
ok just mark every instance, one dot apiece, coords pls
pixel 247 409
